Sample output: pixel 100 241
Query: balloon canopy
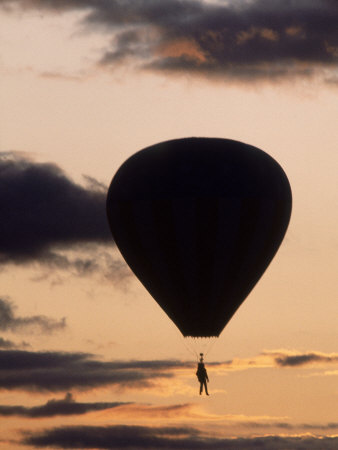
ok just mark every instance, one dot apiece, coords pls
pixel 198 220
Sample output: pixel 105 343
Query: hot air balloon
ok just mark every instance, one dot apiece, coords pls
pixel 198 220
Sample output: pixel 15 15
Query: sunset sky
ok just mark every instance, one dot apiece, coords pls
pixel 87 357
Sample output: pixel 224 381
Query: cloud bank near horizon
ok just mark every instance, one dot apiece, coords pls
pixel 142 438
pixel 237 41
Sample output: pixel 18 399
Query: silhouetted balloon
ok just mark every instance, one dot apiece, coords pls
pixel 198 220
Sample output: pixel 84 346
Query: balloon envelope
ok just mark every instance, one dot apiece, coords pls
pixel 198 220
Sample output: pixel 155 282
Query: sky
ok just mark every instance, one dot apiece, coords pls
pixel 87 357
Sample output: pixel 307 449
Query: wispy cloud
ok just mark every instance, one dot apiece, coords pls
pixel 235 40
pixel 181 412
pixel 64 407
pixel 194 413
pixel 10 322
pixel 122 436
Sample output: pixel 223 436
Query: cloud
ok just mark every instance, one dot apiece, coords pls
pixel 235 40
pixel 324 427
pixel 252 423
pixel 48 219
pixel 42 210
pixel 10 322
pixel 280 359
pixel 57 371
pixel 183 438
pixel 302 359
pixel 194 413
pixel 126 410
pixel 64 407
pixel 231 40
pixel 175 413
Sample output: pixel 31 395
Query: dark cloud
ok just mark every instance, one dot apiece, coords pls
pixel 48 219
pixel 56 371
pixel 42 210
pixel 184 438
pixel 285 360
pixel 10 322
pixel 64 407
pixel 239 40
pixel 236 40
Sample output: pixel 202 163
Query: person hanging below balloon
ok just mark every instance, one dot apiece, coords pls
pixel 202 375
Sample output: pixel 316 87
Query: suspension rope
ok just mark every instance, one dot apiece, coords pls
pixel 193 352
pixel 211 344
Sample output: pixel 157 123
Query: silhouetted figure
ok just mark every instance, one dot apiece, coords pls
pixel 202 375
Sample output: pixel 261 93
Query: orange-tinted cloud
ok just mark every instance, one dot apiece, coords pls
pixel 253 32
pixel 184 47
